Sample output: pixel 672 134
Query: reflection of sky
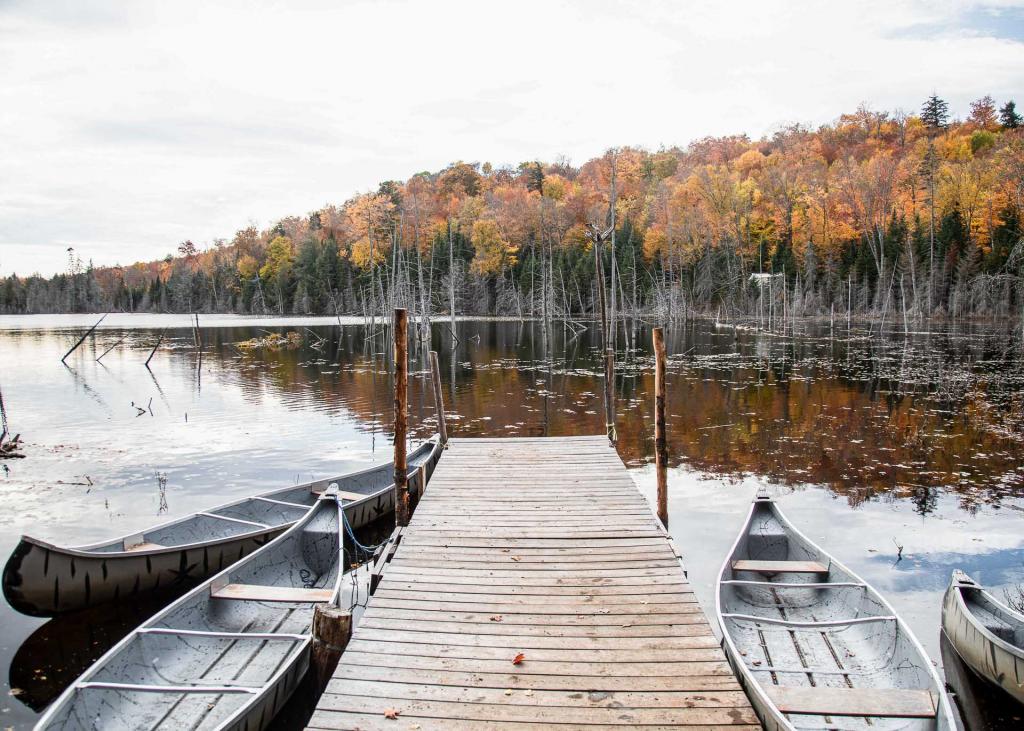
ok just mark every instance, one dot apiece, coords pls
pixel 932 570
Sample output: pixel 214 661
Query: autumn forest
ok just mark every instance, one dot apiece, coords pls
pixel 878 214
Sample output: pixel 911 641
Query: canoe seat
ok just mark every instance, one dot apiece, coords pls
pixel 779 567
pixel 144 546
pixel 891 702
pixel 260 593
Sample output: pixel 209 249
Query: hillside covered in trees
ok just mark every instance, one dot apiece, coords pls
pixel 875 213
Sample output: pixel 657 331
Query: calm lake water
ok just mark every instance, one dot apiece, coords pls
pixel 870 441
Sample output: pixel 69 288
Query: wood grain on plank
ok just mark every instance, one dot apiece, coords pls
pixel 542 547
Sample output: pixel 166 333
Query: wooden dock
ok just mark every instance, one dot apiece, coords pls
pixel 534 588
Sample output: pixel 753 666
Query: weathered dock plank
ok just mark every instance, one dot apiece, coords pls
pixel 544 549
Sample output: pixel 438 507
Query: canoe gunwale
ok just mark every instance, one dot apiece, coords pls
pixel 944 719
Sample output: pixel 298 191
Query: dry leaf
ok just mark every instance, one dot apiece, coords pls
pixel 508 692
pixel 495 617
pixel 603 611
pixel 391 713
pixel 516 558
pixel 518 659
pixel 529 692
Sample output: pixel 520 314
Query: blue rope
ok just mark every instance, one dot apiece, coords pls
pixel 368 550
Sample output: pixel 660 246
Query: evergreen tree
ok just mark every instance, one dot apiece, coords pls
pixel 1008 116
pixel 935 112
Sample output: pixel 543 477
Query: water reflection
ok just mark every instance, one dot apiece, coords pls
pixel 982 706
pixel 871 439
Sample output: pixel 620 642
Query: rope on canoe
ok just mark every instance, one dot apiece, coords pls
pixel 368 550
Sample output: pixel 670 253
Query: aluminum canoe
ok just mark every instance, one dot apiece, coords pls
pixel 43 579
pixel 986 634
pixel 813 645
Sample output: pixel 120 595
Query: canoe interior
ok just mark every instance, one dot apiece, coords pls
pixel 853 642
pixel 245 670
pixel 1006 625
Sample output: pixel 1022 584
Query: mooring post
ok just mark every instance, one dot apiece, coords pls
pixel 435 378
pixel 332 629
pixel 403 506
pixel 660 444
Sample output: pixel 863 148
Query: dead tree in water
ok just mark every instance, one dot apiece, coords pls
pixel 8 447
pixel 598 237
pixel 160 339
pixel 82 339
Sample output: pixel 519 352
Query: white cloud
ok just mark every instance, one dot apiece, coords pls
pixel 125 128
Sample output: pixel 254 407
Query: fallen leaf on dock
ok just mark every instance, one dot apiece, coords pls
pixel 391 713
pixel 508 691
pixel 529 692
pixel 518 659
pixel 516 558
pixel 495 617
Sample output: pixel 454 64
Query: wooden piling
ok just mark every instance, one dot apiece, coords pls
pixel 82 339
pixel 435 378
pixel 660 443
pixel 332 629
pixel 403 505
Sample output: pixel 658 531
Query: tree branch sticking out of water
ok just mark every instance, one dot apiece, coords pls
pixel 1015 598
pixel 9 448
pixel 82 339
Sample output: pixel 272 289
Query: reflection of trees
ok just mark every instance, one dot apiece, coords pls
pixel 925 500
pixel 797 411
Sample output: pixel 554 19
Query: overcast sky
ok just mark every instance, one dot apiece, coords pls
pixel 128 127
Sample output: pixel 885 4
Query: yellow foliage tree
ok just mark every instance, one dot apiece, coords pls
pixel 280 255
pixel 493 254
pixel 247 266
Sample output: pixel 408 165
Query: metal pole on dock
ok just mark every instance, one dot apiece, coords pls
pixel 403 506
pixel 660 444
pixel 435 378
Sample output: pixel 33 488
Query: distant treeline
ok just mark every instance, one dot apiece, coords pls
pixel 875 213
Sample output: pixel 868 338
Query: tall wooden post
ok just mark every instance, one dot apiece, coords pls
pixel 607 342
pixel 660 444
pixel 435 379
pixel 403 506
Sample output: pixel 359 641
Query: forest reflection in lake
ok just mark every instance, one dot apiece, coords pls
pixel 872 440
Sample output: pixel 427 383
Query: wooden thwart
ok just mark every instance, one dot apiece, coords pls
pixel 259 593
pixel 853 701
pixel 781 567
pixel 346 495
